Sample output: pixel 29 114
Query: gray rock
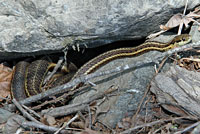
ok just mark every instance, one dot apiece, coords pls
pixel 178 87
pixel 4 115
pixel 195 32
pixel 132 84
pixel 13 124
pixel 25 26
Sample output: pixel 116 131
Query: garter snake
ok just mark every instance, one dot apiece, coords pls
pixel 104 58
pixel 91 65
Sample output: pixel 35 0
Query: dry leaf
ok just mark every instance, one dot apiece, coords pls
pixel 178 19
pixel 5 80
pixel 174 21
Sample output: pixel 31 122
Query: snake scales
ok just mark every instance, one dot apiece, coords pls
pixel 27 79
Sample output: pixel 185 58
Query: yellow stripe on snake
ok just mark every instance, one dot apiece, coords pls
pixel 27 79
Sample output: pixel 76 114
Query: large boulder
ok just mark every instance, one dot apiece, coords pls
pixel 39 26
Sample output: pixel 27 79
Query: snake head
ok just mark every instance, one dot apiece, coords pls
pixel 180 40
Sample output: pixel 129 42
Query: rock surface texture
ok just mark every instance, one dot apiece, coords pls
pixel 26 27
pixel 181 88
pixel 30 27
pixel 131 84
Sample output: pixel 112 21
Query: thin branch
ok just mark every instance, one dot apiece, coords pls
pixel 186 3
pixel 58 99
pixel 180 28
pixel 73 119
pixel 181 24
pixel 28 124
pixel 19 131
pixel 60 61
pixel 128 131
pixel 31 111
pixel 188 128
pixel 155 34
pixel 145 94
pixel 25 114
pixel 72 108
pixel 90 117
pixel 67 124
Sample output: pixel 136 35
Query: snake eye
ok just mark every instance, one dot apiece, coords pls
pixel 183 39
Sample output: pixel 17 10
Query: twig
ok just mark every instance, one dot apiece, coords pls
pixel 145 94
pixel 73 119
pixel 81 116
pixel 152 123
pixel 83 79
pixel 60 98
pixel 181 24
pixel 180 28
pixel 60 61
pixel 186 3
pixel 188 128
pixel 28 124
pixel 107 126
pixel 31 111
pixel 98 112
pixel 159 129
pixel 155 34
pixel 91 83
pixel 25 114
pixel 19 131
pixel 90 117
pixel 67 124
pixel 68 109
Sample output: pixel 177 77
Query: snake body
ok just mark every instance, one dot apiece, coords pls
pixel 18 81
pixel 33 78
pixel 28 78
pixel 106 57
